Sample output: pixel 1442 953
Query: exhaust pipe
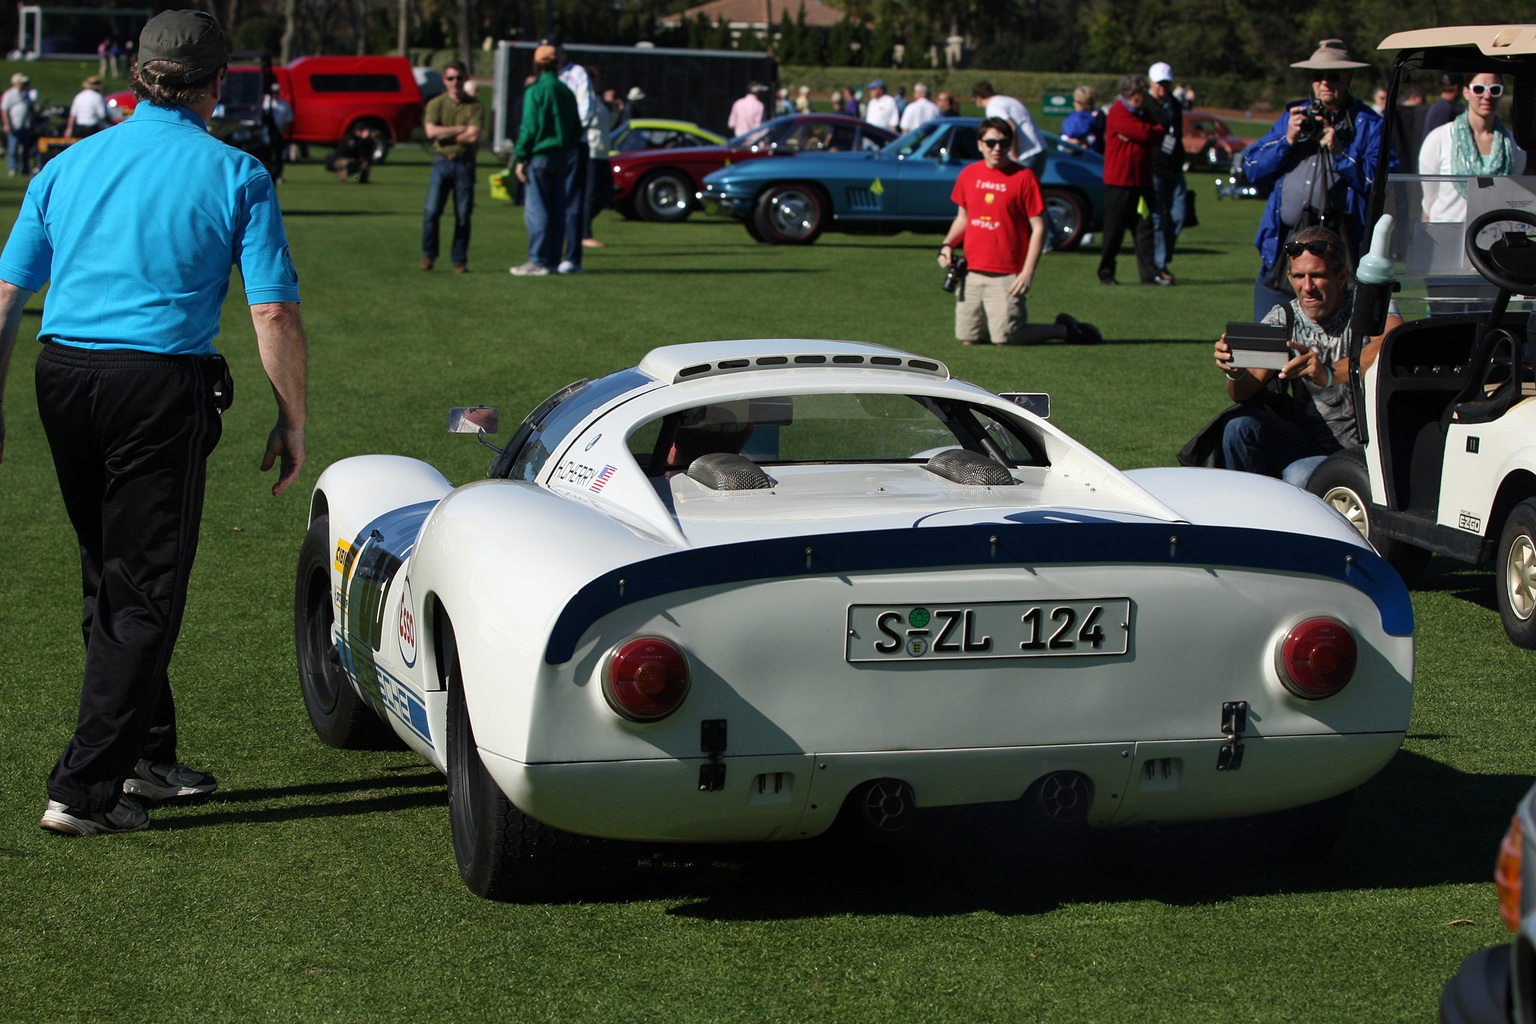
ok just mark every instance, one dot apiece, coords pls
pixel 1064 796
pixel 885 804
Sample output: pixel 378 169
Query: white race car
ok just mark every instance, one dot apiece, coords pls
pixel 747 587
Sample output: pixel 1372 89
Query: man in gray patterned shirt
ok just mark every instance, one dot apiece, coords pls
pixel 1319 418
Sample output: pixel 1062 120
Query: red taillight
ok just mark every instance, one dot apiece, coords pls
pixel 646 679
pixel 1506 874
pixel 1317 658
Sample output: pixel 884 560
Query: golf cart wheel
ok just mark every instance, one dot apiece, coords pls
pixel 1517 575
pixel 1344 483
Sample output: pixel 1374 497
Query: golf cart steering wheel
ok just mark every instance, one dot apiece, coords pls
pixel 1509 263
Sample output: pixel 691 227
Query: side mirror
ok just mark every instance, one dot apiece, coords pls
pixel 1036 402
pixel 480 419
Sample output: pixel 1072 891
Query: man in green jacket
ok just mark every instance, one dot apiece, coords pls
pixel 546 145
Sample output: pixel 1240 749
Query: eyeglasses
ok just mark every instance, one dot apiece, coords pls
pixel 1493 91
pixel 994 143
pixel 1317 247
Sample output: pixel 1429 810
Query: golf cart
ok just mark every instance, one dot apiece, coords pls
pixel 1446 410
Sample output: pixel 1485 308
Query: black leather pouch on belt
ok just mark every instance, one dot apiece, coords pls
pixel 220 383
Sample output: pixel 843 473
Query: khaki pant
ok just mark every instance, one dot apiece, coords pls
pixel 984 311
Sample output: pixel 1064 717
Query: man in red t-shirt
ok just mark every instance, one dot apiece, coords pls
pixel 1001 225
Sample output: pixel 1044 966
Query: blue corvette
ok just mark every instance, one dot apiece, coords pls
pixel 903 187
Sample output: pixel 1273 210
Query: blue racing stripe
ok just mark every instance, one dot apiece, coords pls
pixel 979 547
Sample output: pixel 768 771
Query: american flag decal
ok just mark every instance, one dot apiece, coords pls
pixel 601 480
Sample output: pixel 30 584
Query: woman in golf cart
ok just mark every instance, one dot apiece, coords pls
pixel 1475 144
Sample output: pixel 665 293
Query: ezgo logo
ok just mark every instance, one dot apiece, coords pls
pixel 407 625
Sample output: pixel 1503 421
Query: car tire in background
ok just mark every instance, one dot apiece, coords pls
pixel 502 853
pixel 340 717
pixel 1343 482
pixel 1068 214
pixel 791 214
pixel 665 196
pixel 1517 574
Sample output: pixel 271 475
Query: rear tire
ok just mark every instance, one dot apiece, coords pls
pixel 1517 575
pixel 340 717
pixel 502 853
pixel 1344 483
pixel 665 196
pixel 791 214
pixel 1067 215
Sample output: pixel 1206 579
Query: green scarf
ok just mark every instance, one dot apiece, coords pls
pixel 1468 162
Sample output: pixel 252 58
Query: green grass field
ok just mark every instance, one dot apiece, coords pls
pixel 321 885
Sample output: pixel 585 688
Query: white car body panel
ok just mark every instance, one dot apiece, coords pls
pixel 542 578
pixel 1470 480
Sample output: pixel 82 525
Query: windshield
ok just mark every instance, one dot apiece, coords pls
pixel 913 142
pixel 822 428
pixel 1442 185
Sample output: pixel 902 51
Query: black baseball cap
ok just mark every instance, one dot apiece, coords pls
pixel 189 38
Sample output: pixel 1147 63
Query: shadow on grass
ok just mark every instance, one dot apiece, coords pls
pixel 1417 824
pixel 371 795
pixel 1473 584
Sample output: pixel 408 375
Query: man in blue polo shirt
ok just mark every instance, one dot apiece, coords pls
pixel 137 228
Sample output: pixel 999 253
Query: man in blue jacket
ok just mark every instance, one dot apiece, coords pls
pixel 1319 156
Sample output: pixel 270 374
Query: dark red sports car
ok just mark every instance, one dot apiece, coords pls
pixel 661 184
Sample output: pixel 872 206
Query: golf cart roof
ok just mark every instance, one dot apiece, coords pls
pixel 1493 40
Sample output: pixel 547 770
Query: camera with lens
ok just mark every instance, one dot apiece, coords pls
pixel 1314 119
pixel 956 272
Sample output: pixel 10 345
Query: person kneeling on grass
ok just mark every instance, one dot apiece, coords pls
pixel 1288 435
pixel 1001 225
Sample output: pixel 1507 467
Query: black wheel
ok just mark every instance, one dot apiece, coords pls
pixel 665 195
pixel 340 717
pixel 502 853
pixel 1517 575
pixel 1344 483
pixel 1067 216
pixel 791 214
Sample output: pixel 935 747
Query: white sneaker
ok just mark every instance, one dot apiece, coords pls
pixel 567 267
pixel 529 269
pixel 168 782
pixel 127 816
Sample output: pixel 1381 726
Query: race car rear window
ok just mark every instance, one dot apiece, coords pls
pixel 829 428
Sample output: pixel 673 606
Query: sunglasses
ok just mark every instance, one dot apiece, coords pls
pixel 1331 77
pixel 450 78
pixel 1317 247
pixel 994 143
pixel 1494 91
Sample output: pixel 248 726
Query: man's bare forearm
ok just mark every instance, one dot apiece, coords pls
pixel 13 300
pixel 284 356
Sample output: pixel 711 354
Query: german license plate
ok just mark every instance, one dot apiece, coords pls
pixel 992 629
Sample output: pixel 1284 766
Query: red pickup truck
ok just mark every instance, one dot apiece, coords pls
pixel 330 97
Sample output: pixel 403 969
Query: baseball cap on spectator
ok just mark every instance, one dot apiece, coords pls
pixel 1160 72
pixel 878 83
pixel 636 94
pixel 189 38
pixel 20 79
pixel 551 40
